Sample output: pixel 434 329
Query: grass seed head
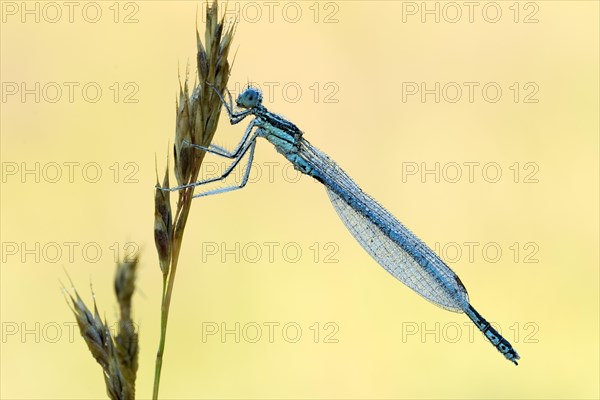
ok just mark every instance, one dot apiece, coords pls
pixel 118 376
pixel 183 153
pixel 163 223
pixel 94 332
pixel 125 285
pixel 126 341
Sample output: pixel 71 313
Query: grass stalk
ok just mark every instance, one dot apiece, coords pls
pixel 196 122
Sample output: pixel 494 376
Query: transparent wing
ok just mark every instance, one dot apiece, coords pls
pixel 390 243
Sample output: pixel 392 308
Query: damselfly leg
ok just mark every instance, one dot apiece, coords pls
pixel 248 146
pixel 234 117
pixel 232 187
pixel 223 152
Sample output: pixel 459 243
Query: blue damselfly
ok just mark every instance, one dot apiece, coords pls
pixel 390 243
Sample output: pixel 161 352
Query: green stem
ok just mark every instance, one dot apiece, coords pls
pixel 169 283
pixel 161 345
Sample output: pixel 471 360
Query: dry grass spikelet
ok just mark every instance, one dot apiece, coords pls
pixel 117 356
pixel 126 342
pixel 183 153
pixel 163 223
pixel 94 331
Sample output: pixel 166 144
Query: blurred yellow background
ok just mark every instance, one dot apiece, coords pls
pixel 274 298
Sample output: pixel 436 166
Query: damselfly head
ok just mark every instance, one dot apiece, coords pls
pixel 250 98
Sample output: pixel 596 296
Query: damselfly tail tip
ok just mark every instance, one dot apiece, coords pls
pixel 514 357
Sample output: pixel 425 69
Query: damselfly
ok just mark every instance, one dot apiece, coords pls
pixel 390 243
